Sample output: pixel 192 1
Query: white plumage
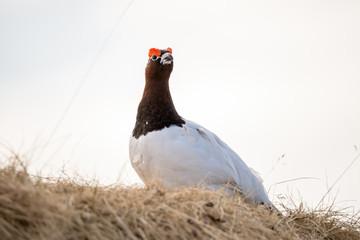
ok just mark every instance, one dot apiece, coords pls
pixel 188 155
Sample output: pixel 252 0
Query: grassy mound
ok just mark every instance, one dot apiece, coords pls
pixel 32 208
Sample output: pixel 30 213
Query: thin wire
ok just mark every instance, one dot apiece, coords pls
pixel 87 73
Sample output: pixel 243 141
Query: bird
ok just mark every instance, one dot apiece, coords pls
pixel 177 152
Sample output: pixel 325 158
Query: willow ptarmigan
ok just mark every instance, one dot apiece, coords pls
pixel 177 152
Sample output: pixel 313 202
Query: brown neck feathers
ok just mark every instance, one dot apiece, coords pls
pixel 156 109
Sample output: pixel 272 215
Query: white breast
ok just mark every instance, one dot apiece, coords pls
pixel 189 155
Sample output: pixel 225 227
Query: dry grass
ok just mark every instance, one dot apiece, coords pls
pixel 32 208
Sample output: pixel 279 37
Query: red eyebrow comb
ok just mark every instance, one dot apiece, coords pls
pixel 154 51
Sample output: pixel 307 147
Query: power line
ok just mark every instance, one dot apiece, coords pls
pixel 86 75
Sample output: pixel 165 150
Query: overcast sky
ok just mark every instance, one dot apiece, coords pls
pixel 268 77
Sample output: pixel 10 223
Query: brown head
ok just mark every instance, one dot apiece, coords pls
pixel 160 64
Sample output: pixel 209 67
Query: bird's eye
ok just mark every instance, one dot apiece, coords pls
pixel 153 57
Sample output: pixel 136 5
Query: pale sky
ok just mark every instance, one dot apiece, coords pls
pixel 268 77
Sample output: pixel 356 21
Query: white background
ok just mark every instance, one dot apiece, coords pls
pixel 269 77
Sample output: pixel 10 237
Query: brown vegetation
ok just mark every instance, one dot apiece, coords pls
pixel 34 208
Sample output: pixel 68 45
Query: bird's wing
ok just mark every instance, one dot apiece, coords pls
pixel 192 154
pixel 247 180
